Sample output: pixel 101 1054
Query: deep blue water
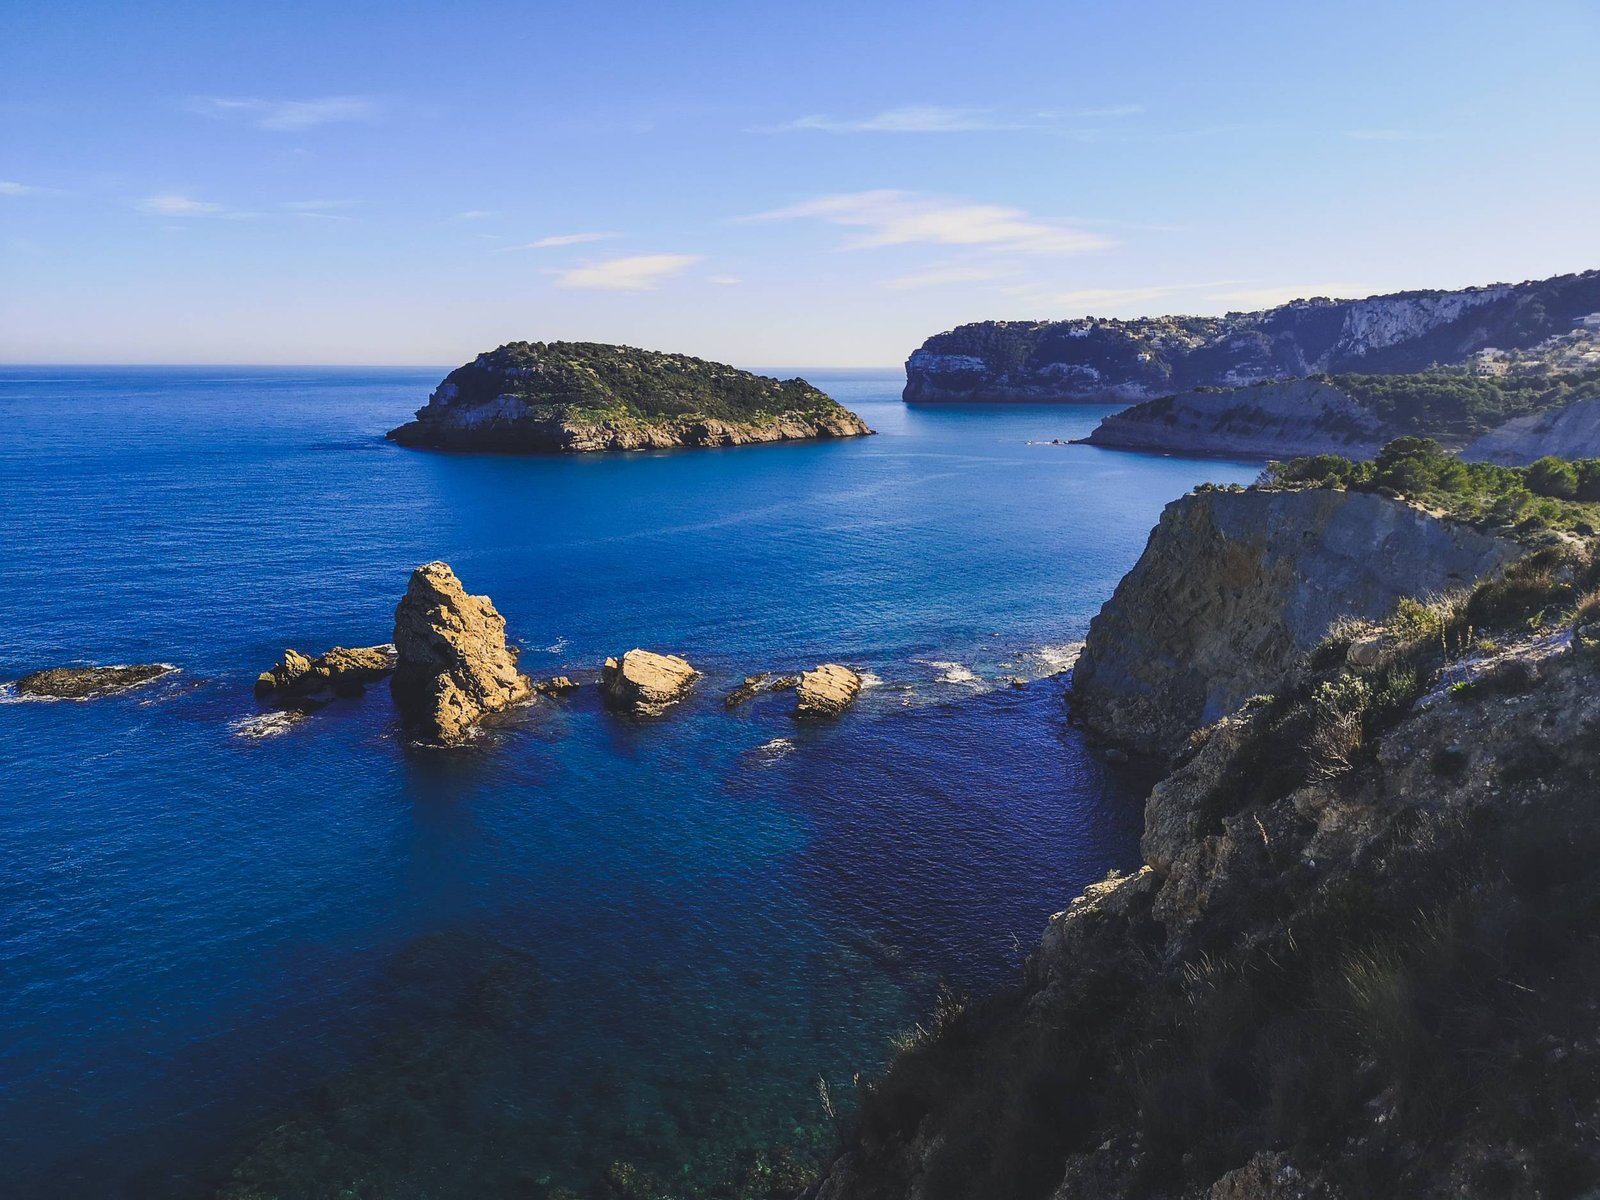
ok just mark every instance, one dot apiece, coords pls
pixel 197 927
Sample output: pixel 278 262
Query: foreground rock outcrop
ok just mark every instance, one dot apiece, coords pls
pixel 644 682
pixel 1234 586
pixel 88 683
pixel 1098 360
pixel 1357 961
pixel 453 665
pixel 341 671
pixel 580 397
pixel 825 692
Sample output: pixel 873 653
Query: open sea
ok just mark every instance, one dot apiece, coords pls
pixel 309 960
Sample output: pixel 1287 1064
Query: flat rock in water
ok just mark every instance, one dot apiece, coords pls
pixel 826 692
pixel 754 685
pixel 644 681
pixel 89 683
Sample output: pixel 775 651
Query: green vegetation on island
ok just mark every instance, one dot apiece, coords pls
pixel 1455 404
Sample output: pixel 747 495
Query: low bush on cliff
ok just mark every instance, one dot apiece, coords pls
pixel 1550 494
pixel 1455 403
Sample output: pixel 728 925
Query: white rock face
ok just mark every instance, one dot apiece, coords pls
pixel 1389 320
pixel 1570 432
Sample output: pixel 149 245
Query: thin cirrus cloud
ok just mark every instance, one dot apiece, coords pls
pixel 174 204
pixel 10 187
pixel 557 240
pixel 634 273
pixel 897 218
pixel 287 116
pixel 935 118
pixel 950 276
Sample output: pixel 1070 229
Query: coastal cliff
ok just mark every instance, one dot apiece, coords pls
pixel 582 397
pixel 1234 586
pixel 1570 432
pixel 1103 360
pixel 1357 959
pixel 1277 419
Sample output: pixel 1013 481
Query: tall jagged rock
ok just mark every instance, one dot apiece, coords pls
pixel 453 662
pixel 1233 587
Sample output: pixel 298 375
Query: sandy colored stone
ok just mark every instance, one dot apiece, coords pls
pixel 826 692
pixel 644 681
pixel 453 662
pixel 345 671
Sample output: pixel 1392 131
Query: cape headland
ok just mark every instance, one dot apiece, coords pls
pixel 585 397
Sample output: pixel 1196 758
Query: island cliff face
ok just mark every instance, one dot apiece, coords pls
pixel 1093 360
pixel 1233 587
pixel 579 397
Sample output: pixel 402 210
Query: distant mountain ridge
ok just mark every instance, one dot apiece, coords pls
pixel 1092 360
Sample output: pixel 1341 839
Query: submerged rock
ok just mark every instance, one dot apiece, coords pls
pixel 453 662
pixel 89 683
pixel 646 682
pixel 343 671
pixel 754 685
pixel 826 692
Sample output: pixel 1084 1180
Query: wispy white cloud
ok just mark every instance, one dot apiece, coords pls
pixel 635 273
pixel 895 218
pixel 322 210
pixel 938 118
pixel 10 187
pixel 725 280
pixel 565 239
pixel 473 214
pixel 173 204
pixel 287 115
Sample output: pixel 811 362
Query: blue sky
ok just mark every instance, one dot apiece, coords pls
pixel 768 184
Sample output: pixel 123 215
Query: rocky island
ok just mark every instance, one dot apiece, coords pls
pixel 88 683
pixel 582 397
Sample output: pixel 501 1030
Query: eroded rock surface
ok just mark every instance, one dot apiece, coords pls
pixel 645 682
pixel 88 683
pixel 1233 587
pixel 453 664
pixel 342 671
pixel 825 692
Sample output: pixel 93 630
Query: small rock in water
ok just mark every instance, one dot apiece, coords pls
pixel 826 692
pixel 556 685
pixel 646 682
pixel 344 672
pixel 756 684
pixel 89 683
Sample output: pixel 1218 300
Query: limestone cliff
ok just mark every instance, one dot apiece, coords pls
pixel 578 397
pixel 1570 432
pixel 1278 419
pixel 453 665
pixel 1358 959
pixel 1234 586
pixel 1102 360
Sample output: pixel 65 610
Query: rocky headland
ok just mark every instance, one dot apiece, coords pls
pixel 88 683
pixel 1278 419
pixel 1104 360
pixel 453 665
pixel 581 397
pixel 1357 958
pixel 646 683
pixel 1234 586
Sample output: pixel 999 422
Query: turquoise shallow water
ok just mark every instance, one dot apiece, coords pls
pixel 201 932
